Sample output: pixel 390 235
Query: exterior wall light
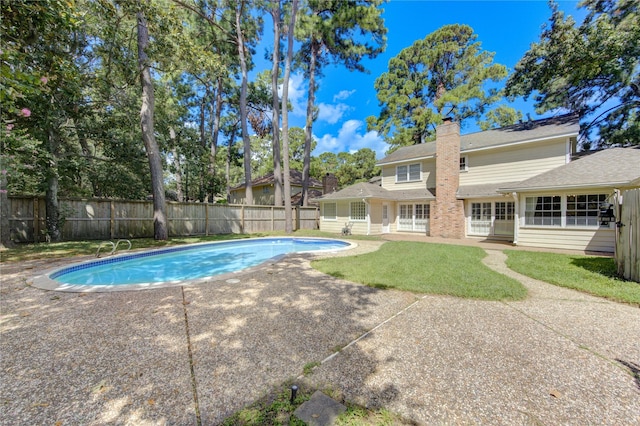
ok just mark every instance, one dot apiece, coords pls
pixel 606 214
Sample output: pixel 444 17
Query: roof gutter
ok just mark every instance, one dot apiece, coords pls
pixel 552 188
pixel 522 142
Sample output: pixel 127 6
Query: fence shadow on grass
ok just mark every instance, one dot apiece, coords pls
pixel 605 266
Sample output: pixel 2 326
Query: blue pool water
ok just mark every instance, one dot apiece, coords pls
pixel 188 262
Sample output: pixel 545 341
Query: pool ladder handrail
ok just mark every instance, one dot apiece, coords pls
pixel 114 246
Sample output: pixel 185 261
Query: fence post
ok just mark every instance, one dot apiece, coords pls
pixel 296 222
pixel 242 219
pixel 112 220
pixel 273 218
pixel 206 219
pixel 36 220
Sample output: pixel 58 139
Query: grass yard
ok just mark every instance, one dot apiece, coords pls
pixel 426 268
pixel 590 274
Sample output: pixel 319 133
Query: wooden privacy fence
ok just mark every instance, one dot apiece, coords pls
pixel 628 240
pixel 99 219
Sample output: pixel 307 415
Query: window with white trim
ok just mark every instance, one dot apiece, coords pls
pixel 583 209
pixel 464 163
pixel 543 211
pixel 408 173
pixel 329 211
pixel 358 210
pixel 504 210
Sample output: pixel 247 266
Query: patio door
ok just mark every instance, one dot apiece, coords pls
pixel 413 217
pixel 385 218
pixel 492 219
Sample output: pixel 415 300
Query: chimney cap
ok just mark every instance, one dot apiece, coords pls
pixel 447 120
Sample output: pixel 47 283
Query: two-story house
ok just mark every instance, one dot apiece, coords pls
pixel 522 183
pixel 264 190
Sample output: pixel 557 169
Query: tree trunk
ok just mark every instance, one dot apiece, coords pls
pixel 288 220
pixel 275 120
pixel 5 229
pixel 306 164
pixel 160 231
pixel 227 169
pixel 215 132
pixel 243 107
pixel 177 166
pixel 51 195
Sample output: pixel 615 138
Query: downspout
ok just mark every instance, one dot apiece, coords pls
pixel 516 217
pixel 366 203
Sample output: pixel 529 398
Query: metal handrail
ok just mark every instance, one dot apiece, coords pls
pixel 122 241
pixel 114 246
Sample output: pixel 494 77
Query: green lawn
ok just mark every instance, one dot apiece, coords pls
pixel 426 268
pixel 22 252
pixel 590 274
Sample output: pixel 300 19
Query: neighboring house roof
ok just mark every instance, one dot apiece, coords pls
pixel 613 167
pixel 565 125
pixel 314 195
pixel 295 178
pixel 370 190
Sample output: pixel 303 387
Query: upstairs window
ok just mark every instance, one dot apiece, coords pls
pixel 408 173
pixel 464 163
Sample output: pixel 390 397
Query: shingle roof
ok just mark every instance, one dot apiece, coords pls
pixel 480 191
pixel 531 130
pixel 367 190
pixel 613 167
pixel 295 179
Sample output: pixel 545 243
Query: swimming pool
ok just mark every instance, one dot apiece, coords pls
pixel 179 265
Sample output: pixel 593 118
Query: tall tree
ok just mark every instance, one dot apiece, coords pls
pixel 160 228
pixel 242 55
pixel 592 69
pixel 41 96
pixel 342 32
pixel 276 16
pixel 445 74
pixel 288 217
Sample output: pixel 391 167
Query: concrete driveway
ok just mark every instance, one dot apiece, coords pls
pixel 191 354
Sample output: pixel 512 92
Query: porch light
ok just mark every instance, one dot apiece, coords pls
pixel 606 214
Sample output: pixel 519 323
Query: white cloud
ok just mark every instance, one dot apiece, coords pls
pixel 343 94
pixel 351 140
pixel 332 113
pixel 297 94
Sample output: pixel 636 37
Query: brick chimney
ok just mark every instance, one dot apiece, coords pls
pixel 329 183
pixel 447 212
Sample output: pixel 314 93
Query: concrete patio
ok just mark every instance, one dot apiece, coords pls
pixel 198 353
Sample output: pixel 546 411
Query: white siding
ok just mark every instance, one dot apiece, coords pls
pixel 602 240
pixel 514 163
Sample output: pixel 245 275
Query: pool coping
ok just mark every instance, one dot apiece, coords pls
pixel 45 282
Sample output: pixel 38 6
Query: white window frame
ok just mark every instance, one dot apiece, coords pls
pixel 464 163
pixel 588 209
pixel 408 173
pixel 354 208
pixel 549 216
pixel 335 211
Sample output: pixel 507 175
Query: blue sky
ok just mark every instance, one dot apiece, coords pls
pixel 346 99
